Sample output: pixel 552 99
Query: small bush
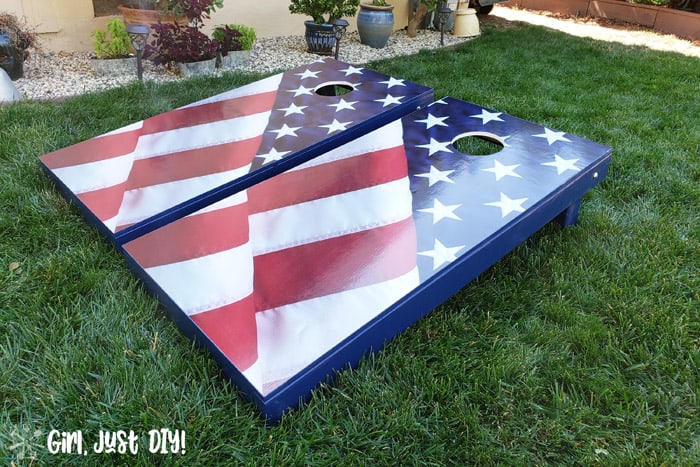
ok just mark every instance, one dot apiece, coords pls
pixel 116 45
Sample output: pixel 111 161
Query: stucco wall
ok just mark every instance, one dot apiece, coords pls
pixel 68 24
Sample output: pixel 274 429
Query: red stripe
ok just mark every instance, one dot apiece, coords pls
pixel 192 163
pixel 334 265
pixel 118 144
pixel 105 202
pixel 211 112
pixel 192 237
pixel 342 176
pixel 95 149
pixel 232 328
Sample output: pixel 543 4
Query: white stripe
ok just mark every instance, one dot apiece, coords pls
pixel 238 198
pixel 330 217
pixel 291 337
pixel 132 127
pixel 208 282
pixel 102 174
pixel 268 84
pixel 141 203
pixel 388 136
pixel 200 136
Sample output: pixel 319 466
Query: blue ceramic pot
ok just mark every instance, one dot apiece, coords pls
pixel 320 38
pixel 375 24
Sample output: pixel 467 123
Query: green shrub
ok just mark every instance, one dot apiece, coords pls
pixel 235 36
pixel 117 45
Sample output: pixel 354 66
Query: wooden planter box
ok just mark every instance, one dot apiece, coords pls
pixel 681 23
pixel 562 7
pixel 644 15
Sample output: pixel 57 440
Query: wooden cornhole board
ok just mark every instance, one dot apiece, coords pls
pixel 291 276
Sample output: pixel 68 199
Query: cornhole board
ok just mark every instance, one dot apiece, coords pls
pixel 145 175
pixel 301 274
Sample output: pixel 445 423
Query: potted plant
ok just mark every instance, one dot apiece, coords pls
pixel 319 35
pixel 16 38
pixel 112 50
pixel 375 23
pixel 185 46
pixel 236 44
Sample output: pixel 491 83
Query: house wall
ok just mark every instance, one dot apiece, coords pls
pixel 68 24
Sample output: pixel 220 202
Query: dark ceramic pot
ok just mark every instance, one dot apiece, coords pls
pixel 320 38
pixel 10 60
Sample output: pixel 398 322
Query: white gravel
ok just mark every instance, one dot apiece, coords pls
pixel 55 76
pixel 60 75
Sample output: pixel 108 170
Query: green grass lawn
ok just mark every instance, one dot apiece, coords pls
pixel 580 347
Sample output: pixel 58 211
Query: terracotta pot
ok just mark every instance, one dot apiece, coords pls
pixel 149 17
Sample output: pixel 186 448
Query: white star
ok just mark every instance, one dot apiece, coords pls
pixel 487 116
pixel 503 170
pixel 285 131
pixel 508 205
pixel 273 155
pixel 441 102
pixel 343 104
pixel 436 146
pixel 432 120
pixel 294 109
pixel 350 70
pixel 440 211
pixel 301 90
pixel 308 74
pixel 393 82
pixel 441 254
pixel 553 136
pixel 563 165
pixel 436 175
pixel 389 99
pixel 335 126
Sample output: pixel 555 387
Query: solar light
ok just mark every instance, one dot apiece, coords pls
pixel 138 33
pixel 443 14
pixel 339 29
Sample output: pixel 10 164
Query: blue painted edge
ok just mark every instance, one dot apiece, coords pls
pixel 90 218
pixel 433 292
pixel 274 168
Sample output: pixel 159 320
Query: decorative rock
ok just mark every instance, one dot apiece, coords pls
pixel 114 66
pixel 204 67
pixel 8 91
pixel 236 59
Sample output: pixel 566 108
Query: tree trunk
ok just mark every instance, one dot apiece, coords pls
pixel 416 18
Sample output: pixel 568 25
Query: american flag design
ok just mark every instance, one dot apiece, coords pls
pixel 127 177
pixel 277 276
pixel 307 258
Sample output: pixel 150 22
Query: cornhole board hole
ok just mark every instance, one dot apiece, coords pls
pixel 302 273
pixel 147 174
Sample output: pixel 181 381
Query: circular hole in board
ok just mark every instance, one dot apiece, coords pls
pixel 334 88
pixel 478 143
